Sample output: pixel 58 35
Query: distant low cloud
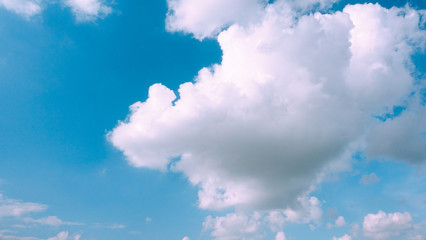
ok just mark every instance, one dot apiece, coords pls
pixel 387 225
pixel 234 226
pixel 51 221
pixel 344 237
pixel 64 235
pixel 17 208
pixel 369 179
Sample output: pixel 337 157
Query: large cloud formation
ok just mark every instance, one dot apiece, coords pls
pixel 293 94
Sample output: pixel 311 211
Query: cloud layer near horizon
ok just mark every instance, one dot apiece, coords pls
pixel 293 95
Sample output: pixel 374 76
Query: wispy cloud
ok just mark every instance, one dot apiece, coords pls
pixel 17 208
pixel 51 221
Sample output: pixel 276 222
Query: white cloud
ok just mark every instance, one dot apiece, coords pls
pixel 64 235
pixel 51 221
pixel 12 237
pixel 369 178
pixel 386 225
pixel 290 96
pixel 116 226
pixel 206 18
pixel 88 10
pixel 340 221
pixel 185 238
pixel 16 208
pixel 308 211
pixel 234 226
pixel 280 236
pixel 61 236
pixel 26 8
pixel 344 237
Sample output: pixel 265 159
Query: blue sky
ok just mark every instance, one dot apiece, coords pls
pixel 71 150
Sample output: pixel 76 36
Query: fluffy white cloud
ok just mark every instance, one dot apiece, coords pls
pixel 290 96
pixel 207 18
pixel 26 8
pixel 369 178
pixel 344 237
pixel 16 208
pixel 340 221
pixel 386 225
pixel 88 10
pixel 309 210
pixel 280 236
pixel 234 226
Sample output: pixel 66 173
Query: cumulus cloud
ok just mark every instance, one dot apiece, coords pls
pixel 234 226
pixel 308 210
pixel 369 178
pixel 88 10
pixel 17 208
pixel 344 237
pixel 290 97
pixel 340 221
pixel 206 18
pixel 280 236
pixel 26 8
pixel 387 225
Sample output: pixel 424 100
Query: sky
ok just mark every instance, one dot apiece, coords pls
pixel 212 119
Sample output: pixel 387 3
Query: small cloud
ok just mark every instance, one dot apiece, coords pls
pixel 17 208
pixel 344 237
pixel 280 236
pixel 64 235
pixel 88 10
pixel 185 238
pixel 51 221
pixel 340 221
pixel 25 8
pixel 116 226
pixel 148 219
pixel 369 179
